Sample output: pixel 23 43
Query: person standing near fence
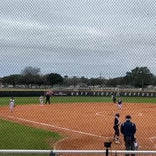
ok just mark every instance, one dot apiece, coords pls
pixel 128 129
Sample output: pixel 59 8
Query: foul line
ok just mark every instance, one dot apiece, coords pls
pixel 152 140
pixel 57 127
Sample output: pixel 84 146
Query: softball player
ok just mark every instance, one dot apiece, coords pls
pixel 41 100
pixel 116 128
pixel 11 104
pixel 120 103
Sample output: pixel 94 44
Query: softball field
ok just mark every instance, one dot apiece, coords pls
pixel 86 126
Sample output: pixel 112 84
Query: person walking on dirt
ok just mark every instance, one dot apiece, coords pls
pixel 128 129
pixel 120 103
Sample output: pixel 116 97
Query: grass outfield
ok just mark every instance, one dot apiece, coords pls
pixel 16 136
pixel 73 99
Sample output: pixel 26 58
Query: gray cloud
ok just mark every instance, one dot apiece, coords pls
pixel 77 38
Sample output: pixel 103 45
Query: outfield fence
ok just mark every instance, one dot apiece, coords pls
pixel 78 152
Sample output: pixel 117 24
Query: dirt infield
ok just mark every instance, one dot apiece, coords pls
pixel 86 126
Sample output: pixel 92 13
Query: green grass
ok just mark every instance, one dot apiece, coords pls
pixel 19 100
pixel 90 99
pixel 16 136
pixel 140 99
pixel 74 99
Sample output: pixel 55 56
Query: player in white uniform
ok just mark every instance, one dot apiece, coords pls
pixel 41 100
pixel 11 104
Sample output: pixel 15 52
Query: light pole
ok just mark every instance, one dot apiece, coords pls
pixel 142 80
pixel 142 84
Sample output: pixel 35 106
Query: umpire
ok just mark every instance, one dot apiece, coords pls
pixel 128 129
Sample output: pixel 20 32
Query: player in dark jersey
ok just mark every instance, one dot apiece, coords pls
pixel 116 128
pixel 120 103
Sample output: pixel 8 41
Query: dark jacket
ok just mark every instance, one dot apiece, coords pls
pixel 116 122
pixel 128 128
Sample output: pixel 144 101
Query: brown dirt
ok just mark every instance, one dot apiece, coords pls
pixel 86 126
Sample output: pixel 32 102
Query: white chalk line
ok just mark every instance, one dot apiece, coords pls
pixel 57 127
pixel 152 140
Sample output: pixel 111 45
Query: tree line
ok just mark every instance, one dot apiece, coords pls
pixel 139 77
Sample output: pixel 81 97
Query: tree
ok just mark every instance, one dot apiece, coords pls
pixel 113 82
pixel 54 78
pixel 12 79
pixel 140 77
pixel 31 75
pixel 31 71
pixel 96 81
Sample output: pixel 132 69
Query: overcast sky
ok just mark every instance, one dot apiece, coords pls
pixel 77 37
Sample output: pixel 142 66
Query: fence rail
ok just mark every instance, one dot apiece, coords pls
pixel 57 152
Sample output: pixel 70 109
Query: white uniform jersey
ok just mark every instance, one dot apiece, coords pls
pixel 12 104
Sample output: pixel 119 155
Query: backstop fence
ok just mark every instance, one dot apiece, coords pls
pixel 77 152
